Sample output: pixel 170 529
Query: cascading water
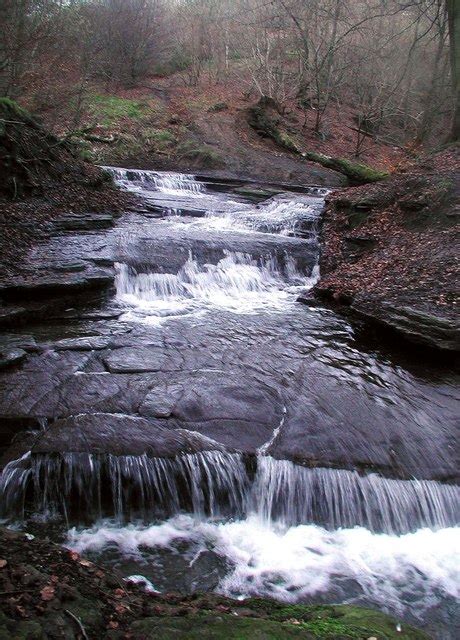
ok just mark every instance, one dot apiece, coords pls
pixel 210 341
pixel 218 484
pixel 276 216
pixel 171 183
pixel 238 282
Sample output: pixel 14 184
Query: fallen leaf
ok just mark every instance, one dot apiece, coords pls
pixel 120 609
pixel 47 593
pixel 86 563
pixel 3 563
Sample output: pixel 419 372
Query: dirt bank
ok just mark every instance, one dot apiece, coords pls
pixel 389 251
pixel 42 178
pixel 166 124
pixel 49 592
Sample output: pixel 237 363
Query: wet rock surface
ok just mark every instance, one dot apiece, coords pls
pixel 194 378
pixel 288 379
pixel 188 397
pixel 107 433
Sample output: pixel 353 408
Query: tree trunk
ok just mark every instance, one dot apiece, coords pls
pixel 453 12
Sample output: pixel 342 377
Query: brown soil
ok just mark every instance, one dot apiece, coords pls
pixel 395 242
pixel 212 117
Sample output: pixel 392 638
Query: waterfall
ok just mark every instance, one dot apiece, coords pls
pixel 238 282
pixel 337 498
pixel 207 483
pixel 221 485
pixel 161 181
pixel 278 215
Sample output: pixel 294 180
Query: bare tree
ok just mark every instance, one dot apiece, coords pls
pixel 453 10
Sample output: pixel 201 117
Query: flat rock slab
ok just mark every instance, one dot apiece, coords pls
pixel 90 343
pixel 434 330
pixel 136 360
pixel 119 435
pixel 155 249
pixel 83 222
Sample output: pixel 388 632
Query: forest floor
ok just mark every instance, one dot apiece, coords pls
pixel 50 592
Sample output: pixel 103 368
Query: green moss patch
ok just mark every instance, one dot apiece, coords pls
pixel 203 155
pixel 356 172
pixel 111 109
pixel 269 620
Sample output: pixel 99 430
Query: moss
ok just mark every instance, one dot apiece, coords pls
pixel 159 139
pixel 219 106
pixel 356 172
pixel 271 620
pixel 23 630
pixel 266 125
pixel 215 627
pixel 160 135
pixel 112 108
pixel 285 141
pixel 264 118
pixel 202 154
pixel 11 111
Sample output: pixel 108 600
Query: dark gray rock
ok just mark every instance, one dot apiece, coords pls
pixel 10 314
pixel 89 343
pixel 161 400
pixel 118 435
pixel 160 251
pixel 17 341
pixel 11 356
pixel 83 221
pixel 135 360
pixel 417 325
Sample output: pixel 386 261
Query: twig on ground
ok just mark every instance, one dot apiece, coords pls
pixel 78 621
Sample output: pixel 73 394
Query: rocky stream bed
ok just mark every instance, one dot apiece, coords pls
pixel 171 410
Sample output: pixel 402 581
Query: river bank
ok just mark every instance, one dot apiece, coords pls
pixel 51 592
pixel 389 251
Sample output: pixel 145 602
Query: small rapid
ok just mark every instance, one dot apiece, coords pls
pixel 171 183
pixel 238 282
pixel 221 485
pixel 409 576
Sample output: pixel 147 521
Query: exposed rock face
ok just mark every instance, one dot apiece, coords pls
pixel 101 433
pixel 389 251
pixel 179 383
pixel 46 189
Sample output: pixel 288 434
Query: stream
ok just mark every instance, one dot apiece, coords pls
pixel 202 429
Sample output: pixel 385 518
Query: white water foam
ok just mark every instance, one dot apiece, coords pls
pixel 237 283
pixel 169 183
pixel 412 572
pixel 279 216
